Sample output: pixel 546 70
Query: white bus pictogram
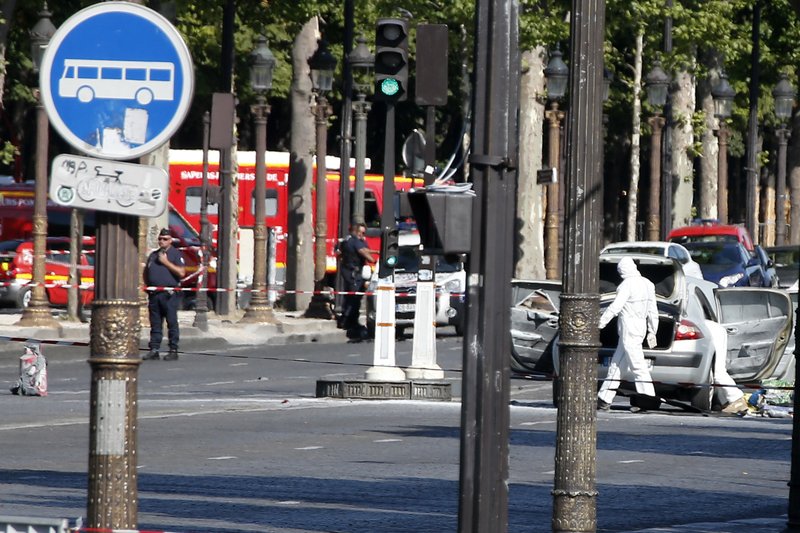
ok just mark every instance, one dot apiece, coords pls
pixel 143 81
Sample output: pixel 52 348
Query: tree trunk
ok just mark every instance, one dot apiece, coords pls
pixel 530 216
pixel 793 171
pixel 636 135
pixel 709 168
pixel 299 252
pixel 683 105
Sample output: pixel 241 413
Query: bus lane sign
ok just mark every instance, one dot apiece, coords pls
pixel 116 80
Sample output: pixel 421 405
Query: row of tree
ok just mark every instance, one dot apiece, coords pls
pixel 694 39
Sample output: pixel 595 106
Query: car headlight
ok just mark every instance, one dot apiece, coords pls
pixel 729 281
pixel 454 285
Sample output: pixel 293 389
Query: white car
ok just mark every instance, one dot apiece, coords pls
pixel 665 249
pixel 758 322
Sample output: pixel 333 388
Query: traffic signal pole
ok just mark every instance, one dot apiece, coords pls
pixel 384 366
pixel 483 497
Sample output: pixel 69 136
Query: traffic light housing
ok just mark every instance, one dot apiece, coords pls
pixel 390 250
pixel 391 60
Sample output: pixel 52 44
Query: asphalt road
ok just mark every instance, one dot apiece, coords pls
pixel 235 441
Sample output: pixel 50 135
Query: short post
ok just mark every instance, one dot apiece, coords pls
pixel 384 366
pixel 423 352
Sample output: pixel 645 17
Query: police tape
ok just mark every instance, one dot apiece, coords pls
pixel 156 288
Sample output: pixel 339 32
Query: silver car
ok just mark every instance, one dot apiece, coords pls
pixel 758 322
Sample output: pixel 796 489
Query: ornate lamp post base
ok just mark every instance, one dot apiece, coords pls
pixel 39 317
pixel 257 313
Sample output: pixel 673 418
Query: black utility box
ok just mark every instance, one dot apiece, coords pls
pixel 444 221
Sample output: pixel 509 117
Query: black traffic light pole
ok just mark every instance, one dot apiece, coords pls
pixel 483 499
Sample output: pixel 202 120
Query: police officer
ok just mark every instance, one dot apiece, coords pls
pixel 164 270
pixel 354 255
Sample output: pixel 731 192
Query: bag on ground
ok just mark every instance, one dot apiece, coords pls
pixel 32 373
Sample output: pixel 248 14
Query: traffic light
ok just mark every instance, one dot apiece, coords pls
pixel 390 249
pixel 391 60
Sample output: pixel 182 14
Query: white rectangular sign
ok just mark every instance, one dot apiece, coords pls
pixel 103 185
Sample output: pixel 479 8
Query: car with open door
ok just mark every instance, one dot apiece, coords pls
pixel 758 322
pixel 534 325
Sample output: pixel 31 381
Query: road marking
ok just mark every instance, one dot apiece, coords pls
pixel 310 448
pixel 537 423
pixel 222 457
pixel 388 440
pixel 630 461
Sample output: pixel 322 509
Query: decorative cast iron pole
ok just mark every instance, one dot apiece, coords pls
pixel 552 222
pixel 362 62
pixel 653 217
pixel 259 310
pixel 723 95
pixel 322 64
pixel 201 307
pixel 37 312
pixel 556 74
pixel 574 492
pixel 784 95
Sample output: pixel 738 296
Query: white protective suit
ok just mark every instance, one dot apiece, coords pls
pixel 635 304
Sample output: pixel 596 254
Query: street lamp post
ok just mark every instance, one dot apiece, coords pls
pixel 322 64
pixel 723 95
pixel 784 95
pixel 263 64
pixel 556 75
pixel 37 313
pixel 657 83
pixel 362 62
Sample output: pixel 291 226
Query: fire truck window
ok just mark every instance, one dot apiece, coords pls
pixel 372 216
pixel 193 196
pixel 270 202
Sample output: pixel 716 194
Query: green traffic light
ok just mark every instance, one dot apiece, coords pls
pixel 390 87
pixel 391 260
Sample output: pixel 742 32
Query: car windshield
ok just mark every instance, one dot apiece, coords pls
pixel 408 261
pixel 722 254
pixel 649 250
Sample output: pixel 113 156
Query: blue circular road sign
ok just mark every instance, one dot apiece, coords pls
pixel 116 80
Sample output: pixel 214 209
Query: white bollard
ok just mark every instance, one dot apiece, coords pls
pixel 423 353
pixel 384 366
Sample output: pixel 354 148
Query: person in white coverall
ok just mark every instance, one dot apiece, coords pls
pixel 635 304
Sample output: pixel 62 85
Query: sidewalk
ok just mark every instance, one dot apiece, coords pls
pixel 290 328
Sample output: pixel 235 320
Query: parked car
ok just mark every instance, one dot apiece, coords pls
pixel 16 271
pixel 728 264
pixel 786 260
pixel 534 325
pixel 665 249
pixel 758 322
pixel 711 231
pixel 771 278
pixel 450 280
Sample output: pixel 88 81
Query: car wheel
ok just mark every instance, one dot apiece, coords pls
pixel 24 298
pixel 703 397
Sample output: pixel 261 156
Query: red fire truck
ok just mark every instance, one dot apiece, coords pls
pixel 186 180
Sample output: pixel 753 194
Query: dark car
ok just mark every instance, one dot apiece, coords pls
pixel 771 276
pixel 786 260
pixel 728 264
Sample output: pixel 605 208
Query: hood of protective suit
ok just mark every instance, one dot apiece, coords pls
pixel 627 268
